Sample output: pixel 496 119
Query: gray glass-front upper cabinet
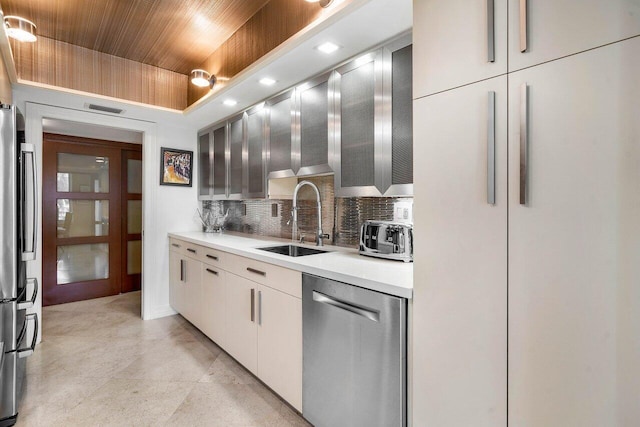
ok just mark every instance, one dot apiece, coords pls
pixel 254 154
pixel 315 130
pixel 373 144
pixel 281 151
pixel 205 179
pixel 219 161
pixel 235 135
pixel 400 56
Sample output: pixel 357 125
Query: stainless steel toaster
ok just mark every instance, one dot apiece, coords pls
pixel 387 239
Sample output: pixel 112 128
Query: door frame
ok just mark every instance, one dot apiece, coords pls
pixel 35 113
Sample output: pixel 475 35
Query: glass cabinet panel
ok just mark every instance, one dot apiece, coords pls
pixel 236 136
pixel 255 149
pixel 220 162
pixel 313 110
pixel 204 159
pixel 281 149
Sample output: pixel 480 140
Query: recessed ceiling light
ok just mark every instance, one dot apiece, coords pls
pixel 267 81
pixel 328 47
pixel 20 29
pixel 230 102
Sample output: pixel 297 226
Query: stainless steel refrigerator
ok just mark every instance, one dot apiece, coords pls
pixel 18 221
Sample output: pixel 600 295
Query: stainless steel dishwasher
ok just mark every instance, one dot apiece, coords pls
pixel 354 355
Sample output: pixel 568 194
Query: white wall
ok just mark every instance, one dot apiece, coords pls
pixel 164 208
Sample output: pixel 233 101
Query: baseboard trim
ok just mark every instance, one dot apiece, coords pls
pixel 158 312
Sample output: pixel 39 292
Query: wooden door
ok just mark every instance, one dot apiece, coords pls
pixel 241 322
pixel 574 258
pixel 451 43
pixel 560 28
pixel 131 220
pixel 460 268
pixel 81 227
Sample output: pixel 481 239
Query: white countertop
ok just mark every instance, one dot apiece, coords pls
pixel 342 264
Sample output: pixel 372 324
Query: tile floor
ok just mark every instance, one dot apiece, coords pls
pixel 100 364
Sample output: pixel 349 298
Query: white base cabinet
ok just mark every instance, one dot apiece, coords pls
pixel 251 309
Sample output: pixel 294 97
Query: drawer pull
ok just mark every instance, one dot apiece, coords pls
pixel 213 257
pixel 212 271
pixel 253 270
pixel 175 245
pixel 193 251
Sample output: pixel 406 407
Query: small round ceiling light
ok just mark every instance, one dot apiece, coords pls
pixel 201 78
pixel 20 29
pixel 323 3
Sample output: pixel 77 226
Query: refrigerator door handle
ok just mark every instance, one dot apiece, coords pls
pixel 26 352
pixel 32 215
pixel 30 303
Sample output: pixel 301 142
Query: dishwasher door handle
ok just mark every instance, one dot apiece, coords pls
pixel 360 311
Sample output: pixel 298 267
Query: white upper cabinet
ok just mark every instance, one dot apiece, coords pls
pixel 550 29
pixel 457 43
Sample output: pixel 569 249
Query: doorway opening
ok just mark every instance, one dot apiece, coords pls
pixel 92 218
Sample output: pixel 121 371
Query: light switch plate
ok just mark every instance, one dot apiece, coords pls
pixel 403 211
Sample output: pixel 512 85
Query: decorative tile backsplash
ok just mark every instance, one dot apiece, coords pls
pixel 341 217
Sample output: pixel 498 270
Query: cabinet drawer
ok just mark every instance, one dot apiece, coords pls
pixel 185 248
pixel 282 279
pixel 212 257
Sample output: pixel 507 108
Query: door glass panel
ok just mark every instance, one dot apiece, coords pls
pixel 82 173
pixel 79 263
pixel 82 218
pixel 134 216
pixel 134 176
pixel 134 257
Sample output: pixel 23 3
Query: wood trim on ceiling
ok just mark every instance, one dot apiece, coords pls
pixel 65 65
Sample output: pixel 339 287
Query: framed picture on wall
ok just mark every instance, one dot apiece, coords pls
pixel 176 167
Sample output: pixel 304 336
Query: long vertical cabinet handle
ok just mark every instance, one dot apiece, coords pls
pixel 491 31
pixel 524 141
pixel 182 275
pixel 259 307
pixel 253 305
pixel 491 149
pixel 32 213
pixel 523 25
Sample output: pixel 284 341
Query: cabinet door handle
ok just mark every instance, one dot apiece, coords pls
pixel 193 251
pixel 524 141
pixel 253 270
pixel 212 271
pixel 182 271
pixel 491 149
pixel 175 245
pixel 259 307
pixel 253 305
pixel 491 32
pixel 523 25
pixel 213 257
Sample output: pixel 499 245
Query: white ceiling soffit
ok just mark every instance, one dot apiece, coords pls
pixel 63 127
pixel 360 25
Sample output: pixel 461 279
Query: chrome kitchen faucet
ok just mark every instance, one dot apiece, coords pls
pixel 294 211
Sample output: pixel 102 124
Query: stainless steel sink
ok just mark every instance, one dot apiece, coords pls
pixel 292 250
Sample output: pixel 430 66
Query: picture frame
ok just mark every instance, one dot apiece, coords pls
pixel 176 167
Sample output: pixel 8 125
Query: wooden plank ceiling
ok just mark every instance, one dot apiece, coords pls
pixel 175 35
pixel 143 50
